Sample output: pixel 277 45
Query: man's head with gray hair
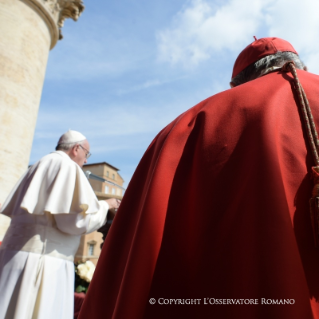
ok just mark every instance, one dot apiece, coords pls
pixel 262 57
pixel 67 146
pixel 75 145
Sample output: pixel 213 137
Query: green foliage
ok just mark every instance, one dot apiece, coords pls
pixel 81 288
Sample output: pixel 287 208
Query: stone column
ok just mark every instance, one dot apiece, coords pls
pixel 29 29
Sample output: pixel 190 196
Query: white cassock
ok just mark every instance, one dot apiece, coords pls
pixel 51 206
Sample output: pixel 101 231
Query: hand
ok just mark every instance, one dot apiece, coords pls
pixel 113 203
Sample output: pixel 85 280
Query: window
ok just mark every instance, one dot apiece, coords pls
pixel 107 173
pixel 113 176
pixel 118 192
pixel 113 190
pixel 106 189
pixel 91 250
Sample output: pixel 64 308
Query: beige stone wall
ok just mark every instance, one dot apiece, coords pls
pixel 96 170
pixel 24 47
pixel 82 253
pixel 107 172
pixel 28 28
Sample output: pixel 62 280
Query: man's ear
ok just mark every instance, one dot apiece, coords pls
pixel 75 150
pixel 232 85
pixel 305 68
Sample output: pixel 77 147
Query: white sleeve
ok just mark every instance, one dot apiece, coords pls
pixel 81 223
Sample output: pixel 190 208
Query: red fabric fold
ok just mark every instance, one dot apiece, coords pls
pixel 217 208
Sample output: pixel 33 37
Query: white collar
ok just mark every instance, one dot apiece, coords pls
pixel 63 154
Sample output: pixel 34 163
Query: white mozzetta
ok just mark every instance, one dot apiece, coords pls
pixel 51 207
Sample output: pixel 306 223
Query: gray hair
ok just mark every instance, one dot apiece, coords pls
pixel 264 65
pixel 67 146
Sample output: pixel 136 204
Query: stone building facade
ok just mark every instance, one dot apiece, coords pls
pixel 90 244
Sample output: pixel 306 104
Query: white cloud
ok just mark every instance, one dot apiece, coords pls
pixel 201 28
pixel 298 23
pixel 148 84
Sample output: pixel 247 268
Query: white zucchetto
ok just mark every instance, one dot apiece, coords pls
pixel 71 137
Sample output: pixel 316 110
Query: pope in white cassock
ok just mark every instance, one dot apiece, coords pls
pixel 51 206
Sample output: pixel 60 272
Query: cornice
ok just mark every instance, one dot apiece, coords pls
pixel 54 13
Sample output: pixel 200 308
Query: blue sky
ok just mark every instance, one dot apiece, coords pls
pixel 127 68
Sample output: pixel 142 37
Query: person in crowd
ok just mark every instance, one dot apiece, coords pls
pixel 215 222
pixel 50 207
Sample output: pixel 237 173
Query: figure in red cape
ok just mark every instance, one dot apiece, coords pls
pixel 216 221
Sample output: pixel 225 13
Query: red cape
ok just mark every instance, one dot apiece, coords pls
pixel 218 208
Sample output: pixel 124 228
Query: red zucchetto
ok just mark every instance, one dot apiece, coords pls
pixel 259 49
